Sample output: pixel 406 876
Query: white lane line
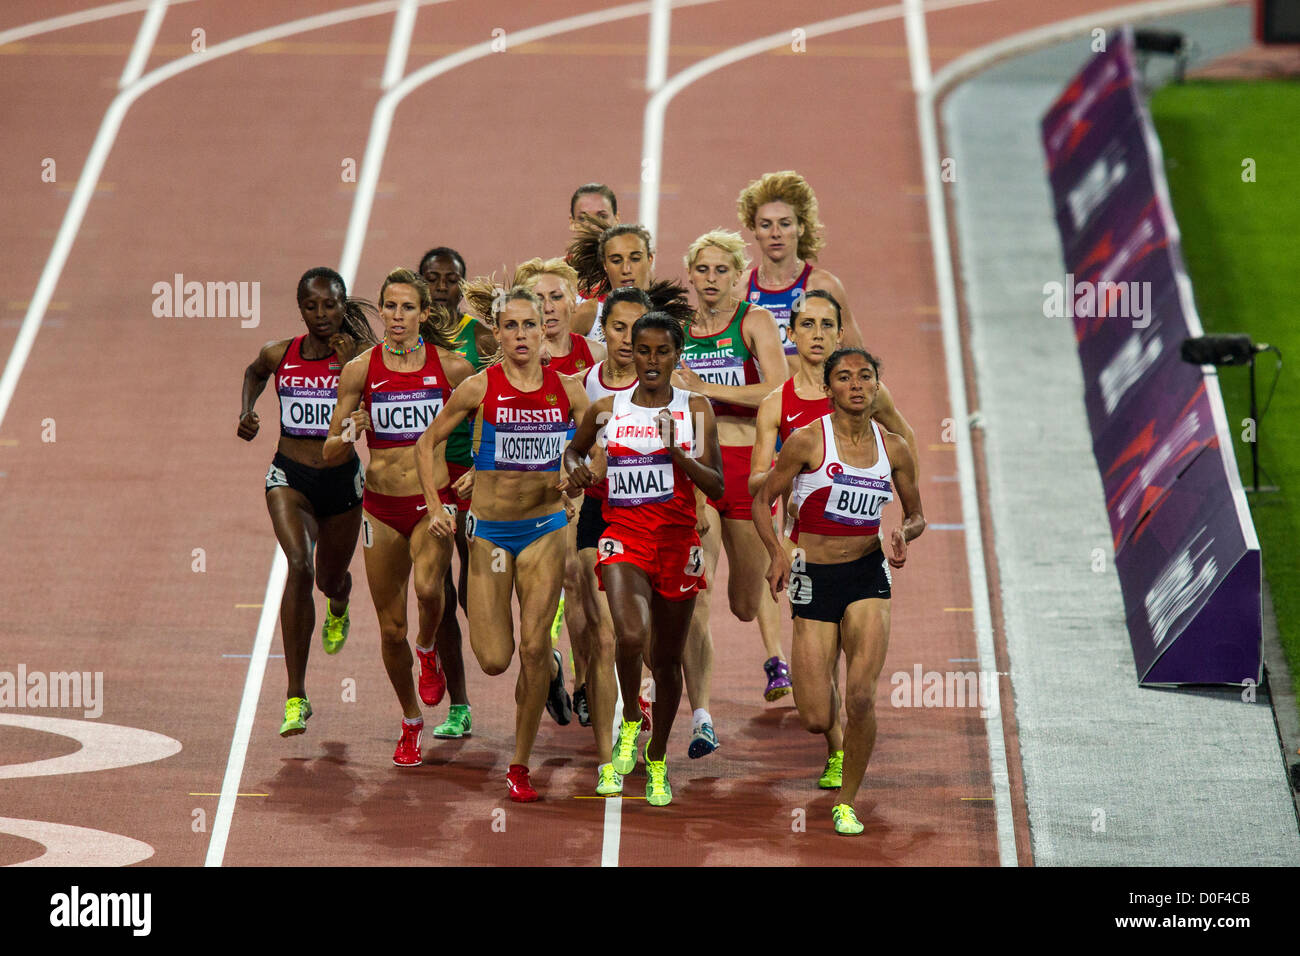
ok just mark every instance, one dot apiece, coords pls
pixel 106 12
pixel 382 121
pixel 399 44
pixel 143 44
pixel 98 156
pixel 652 135
pixel 656 64
pixel 611 831
pixel 247 710
pixel 928 94
pixel 922 83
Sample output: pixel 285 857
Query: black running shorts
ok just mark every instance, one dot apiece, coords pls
pixel 591 522
pixel 823 592
pixel 329 491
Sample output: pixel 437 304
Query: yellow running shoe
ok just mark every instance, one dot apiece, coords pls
pixel 335 632
pixel 558 623
pixel 296 712
pixel 657 791
pixel 832 777
pixel 609 782
pixel 625 746
pixel 846 821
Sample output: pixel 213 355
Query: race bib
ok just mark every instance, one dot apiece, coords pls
pixel 306 412
pixel 640 479
pixel 800 589
pixel 857 500
pixel 404 416
pixel 529 446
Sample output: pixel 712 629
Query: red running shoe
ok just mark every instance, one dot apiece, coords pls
pixel 645 713
pixel 521 788
pixel 407 753
pixel 433 683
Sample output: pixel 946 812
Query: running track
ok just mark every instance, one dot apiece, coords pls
pixel 231 172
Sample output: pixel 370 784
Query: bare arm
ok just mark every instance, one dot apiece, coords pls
pixel 765 433
pixel 891 419
pixel 467 397
pixel 579 475
pixel 585 317
pixel 255 378
pixel 597 351
pixel 704 468
pixel 850 336
pixel 796 454
pixel 351 382
pixel 903 472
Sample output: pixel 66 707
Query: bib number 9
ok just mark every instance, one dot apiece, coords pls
pixel 608 547
pixel 695 563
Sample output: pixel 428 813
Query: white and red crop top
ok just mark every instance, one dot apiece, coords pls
pixel 839 499
pixel 642 474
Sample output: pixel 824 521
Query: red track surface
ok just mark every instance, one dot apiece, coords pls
pixel 230 172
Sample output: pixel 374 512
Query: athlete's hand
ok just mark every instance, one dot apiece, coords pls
pixel 897 548
pixel 344 346
pixel 580 477
pixel 360 420
pixel 570 507
pixel 464 485
pixel 442 521
pixel 667 428
pixel 248 426
pixel 684 377
pixel 778 572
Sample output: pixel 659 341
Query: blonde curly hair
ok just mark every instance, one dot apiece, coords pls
pixel 792 189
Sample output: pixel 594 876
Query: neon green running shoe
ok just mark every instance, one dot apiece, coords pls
pixel 456 725
pixel 335 632
pixel 557 624
pixel 657 791
pixel 609 781
pixel 625 746
pixel 832 777
pixel 846 821
pixel 296 712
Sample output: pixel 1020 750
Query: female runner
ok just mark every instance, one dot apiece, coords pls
pixel 841 471
pixel 612 258
pixel 392 393
pixel 314 508
pixel 660 445
pixel 780 209
pixel 522 411
pixel 442 667
pixel 568 353
pixel 801 401
pixel 728 344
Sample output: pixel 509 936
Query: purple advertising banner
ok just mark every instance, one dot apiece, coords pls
pixel 1173 573
pixel 1185 547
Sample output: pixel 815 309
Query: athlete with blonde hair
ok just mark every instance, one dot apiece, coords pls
pixel 780 209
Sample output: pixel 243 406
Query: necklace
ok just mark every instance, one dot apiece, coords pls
pixel 419 343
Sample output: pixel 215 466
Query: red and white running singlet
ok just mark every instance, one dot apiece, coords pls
pixel 403 404
pixel 642 473
pixel 577 361
pixel 839 499
pixel 797 412
pixel 521 431
pixel 596 390
pixel 308 390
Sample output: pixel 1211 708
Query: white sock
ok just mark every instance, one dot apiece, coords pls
pixel 425 650
pixel 701 716
pixel 418 722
